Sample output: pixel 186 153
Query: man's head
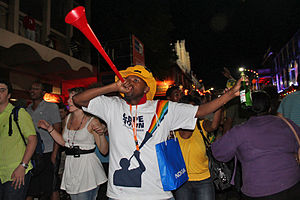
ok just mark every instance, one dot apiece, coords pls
pixel 141 80
pixel 5 91
pixel 63 111
pixel 174 93
pixel 37 90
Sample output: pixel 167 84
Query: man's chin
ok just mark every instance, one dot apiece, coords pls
pixel 128 94
pixel 127 97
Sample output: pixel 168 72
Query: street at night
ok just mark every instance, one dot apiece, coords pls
pixel 152 100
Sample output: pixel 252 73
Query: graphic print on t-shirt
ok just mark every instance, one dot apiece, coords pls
pixel 129 178
pixel 127 119
pixel 133 177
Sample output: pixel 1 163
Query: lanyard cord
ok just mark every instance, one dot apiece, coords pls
pixel 134 127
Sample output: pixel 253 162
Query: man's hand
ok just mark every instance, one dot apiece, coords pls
pixel 124 87
pixel 18 177
pixel 45 125
pixel 236 89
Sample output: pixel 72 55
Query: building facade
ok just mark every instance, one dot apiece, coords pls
pixel 286 63
pixel 36 43
pixel 180 73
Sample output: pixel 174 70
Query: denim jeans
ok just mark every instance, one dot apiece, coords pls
pixel 196 190
pixel 8 192
pixel 88 195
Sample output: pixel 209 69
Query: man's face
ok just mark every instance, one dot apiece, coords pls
pixel 175 95
pixel 139 87
pixel 63 113
pixel 4 96
pixel 36 92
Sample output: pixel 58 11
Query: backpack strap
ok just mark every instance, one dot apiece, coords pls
pixel 14 114
pixel 206 141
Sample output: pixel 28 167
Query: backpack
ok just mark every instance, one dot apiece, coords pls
pixel 40 145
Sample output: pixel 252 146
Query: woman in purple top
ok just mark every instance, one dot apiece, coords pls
pixel 266 147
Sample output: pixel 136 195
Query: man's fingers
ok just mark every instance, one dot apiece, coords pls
pixel 16 183
pixel 20 183
pixel 13 182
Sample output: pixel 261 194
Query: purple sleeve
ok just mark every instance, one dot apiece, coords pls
pixel 225 148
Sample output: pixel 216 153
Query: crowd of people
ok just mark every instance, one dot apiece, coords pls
pixel 257 143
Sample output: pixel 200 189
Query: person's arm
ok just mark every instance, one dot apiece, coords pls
pixel 57 137
pixel 83 98
pixel 19 173
pixel 227 124
pixel 225 147
pixel 99 130
pixel 210 126
pixel 57 127
pixel 212 106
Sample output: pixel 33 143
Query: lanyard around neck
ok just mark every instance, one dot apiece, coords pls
pixel 134 127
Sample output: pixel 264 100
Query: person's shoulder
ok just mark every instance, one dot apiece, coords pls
pixel 22 113
pixel 162 103
pixel 295 95
pixel 51 105
pixel 109 98
pixel 183 105
pixel 8 109
pixel 289 98
pixel 23 110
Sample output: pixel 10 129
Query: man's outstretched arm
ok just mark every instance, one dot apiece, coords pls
pixel 83 99
pixel 212 106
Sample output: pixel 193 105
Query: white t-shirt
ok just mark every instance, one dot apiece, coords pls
pixel 137 180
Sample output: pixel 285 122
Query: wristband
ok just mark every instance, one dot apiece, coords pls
pixel 24 165
pixel 51 130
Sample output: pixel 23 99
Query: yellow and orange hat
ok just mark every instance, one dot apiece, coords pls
pixel 145 74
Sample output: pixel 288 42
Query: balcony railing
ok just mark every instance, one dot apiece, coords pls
pixel 59 41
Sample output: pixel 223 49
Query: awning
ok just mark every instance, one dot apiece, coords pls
pixel 23 55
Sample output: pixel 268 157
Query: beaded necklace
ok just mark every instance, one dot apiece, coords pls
pixel 71 146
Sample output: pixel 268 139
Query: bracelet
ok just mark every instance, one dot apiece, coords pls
pixel 24 165
pixel 51 130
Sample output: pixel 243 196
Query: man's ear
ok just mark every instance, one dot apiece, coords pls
pixel 146 90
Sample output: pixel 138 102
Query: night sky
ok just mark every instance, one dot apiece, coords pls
pixel 218 33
